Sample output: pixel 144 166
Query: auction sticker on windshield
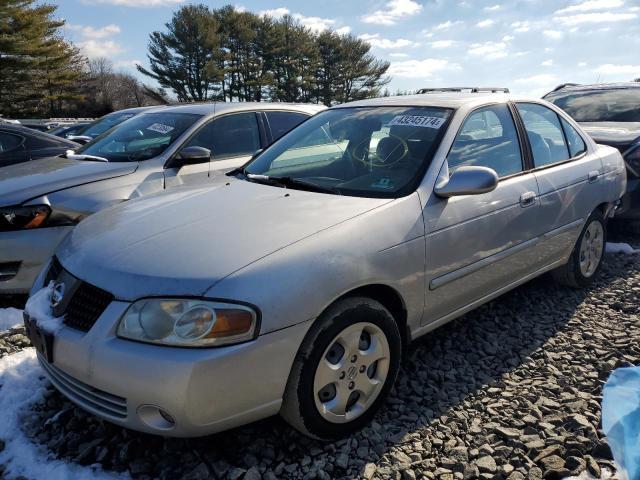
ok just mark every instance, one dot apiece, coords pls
pixel 160 128
pixel 417 121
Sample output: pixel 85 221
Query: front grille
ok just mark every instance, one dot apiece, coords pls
pixel 55 269
pixel 84 395
pixel 86 306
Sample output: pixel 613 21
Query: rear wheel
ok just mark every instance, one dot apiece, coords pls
pixel 586 258
pixel 344 369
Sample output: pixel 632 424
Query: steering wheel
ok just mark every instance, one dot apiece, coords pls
pixel 389 151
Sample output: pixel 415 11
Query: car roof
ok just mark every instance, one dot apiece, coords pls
pixel 136 109
pixel 24 130
pixel 444 100
pixel 574 87
pixel 209 108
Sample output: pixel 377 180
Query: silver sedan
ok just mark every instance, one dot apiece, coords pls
pixel 294 285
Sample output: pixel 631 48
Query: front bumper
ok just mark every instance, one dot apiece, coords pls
pixel 630 203
pixel 204 390
pixel 23 254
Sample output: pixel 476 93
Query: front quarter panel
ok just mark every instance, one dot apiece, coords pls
pixel 382 246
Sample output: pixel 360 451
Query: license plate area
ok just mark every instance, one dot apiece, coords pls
pixel 41 340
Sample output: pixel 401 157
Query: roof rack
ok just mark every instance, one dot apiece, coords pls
pixel 464 89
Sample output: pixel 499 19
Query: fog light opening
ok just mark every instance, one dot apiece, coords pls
pixel 156 417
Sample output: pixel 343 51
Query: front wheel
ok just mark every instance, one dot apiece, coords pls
pixel 344 369
pixel 586 258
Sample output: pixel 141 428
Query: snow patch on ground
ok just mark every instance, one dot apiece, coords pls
pixel 38 307
pixel 620 248
pixel 10 317
pixel 21 385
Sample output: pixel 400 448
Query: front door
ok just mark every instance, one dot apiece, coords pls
pixel 232 139
pixel 477 244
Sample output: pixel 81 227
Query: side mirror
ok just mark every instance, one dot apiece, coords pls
pixel 81 139
pixel 468 181
pixel 190 156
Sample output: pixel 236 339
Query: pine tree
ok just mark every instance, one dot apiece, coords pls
pixel 185 59
pixel 38 69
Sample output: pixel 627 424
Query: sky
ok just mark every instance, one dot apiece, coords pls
pixel 529 46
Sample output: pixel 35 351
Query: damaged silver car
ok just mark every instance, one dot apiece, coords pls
pixel 293 286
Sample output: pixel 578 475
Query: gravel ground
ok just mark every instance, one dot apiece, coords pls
pixel 512 390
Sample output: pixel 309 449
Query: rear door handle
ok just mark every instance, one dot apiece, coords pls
pixel 593 176
pixel 527 199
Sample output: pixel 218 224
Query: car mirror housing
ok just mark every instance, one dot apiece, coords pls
pixel 190 156
pixel 470 180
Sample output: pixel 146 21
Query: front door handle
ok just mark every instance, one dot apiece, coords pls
pixel 593 176
pixel 527 199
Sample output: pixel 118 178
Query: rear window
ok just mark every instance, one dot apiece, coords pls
pixel 617 105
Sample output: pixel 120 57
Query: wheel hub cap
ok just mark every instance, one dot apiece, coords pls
pixel 351 372
pixel 591 249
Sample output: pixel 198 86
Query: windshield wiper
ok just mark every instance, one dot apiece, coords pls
pixel 290 182
pixel 81 156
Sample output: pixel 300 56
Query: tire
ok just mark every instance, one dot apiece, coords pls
pixel 578 272
pixel 350 358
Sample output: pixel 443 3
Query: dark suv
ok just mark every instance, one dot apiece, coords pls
pixel 610 113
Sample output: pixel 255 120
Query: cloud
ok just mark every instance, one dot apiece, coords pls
pixel 448 24
pixel 316 24
pixel 127 63
pixel 275 12
pixel 95 33
pixel 442 44
pixel 538 80
pixel 394 11
pixel 97 48
pixel 547 63
pixel 618 69
pixel 489 50
pixel 420 68
pixel 484 23
pixel 492 8
pixel 595 17
pixel 136 3
pixel 582 64
pixel 384 43
pixel 521 27
pixel 399 55
pixel 591 5
pixel 553 34
pixel 97 41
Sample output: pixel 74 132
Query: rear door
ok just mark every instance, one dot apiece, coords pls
pixel 281 122
pixel 232 139
pixel 569 178
pixel 477 244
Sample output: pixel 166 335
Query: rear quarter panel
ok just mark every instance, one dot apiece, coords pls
pixel 614 172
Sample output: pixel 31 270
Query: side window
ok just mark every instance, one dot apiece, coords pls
pixel 9 141
pixel 229 136
pixel 576 144
pixel 545 134
pixel 488 138
pixel 281 122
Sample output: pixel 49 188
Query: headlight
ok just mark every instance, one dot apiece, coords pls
pixel 188 322
pixel 23 218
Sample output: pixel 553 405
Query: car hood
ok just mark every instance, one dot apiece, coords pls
pixel 615 134
pixel 24 181
pixel 182 242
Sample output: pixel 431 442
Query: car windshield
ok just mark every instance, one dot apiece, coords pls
pixel 140 138
pixel 105 123
pixel 616 105
pixel 368 152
